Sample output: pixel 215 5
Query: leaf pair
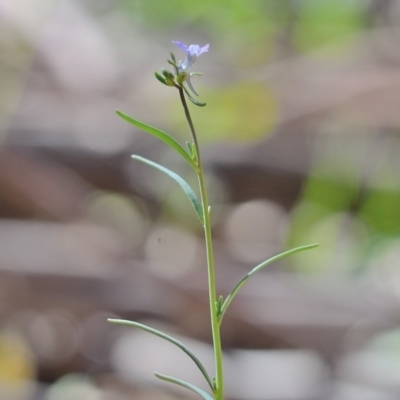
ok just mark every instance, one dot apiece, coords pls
pixel 171 142
pixel 185 349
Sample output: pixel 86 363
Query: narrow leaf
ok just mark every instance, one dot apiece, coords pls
pixel 194 155
pixel 163 136
pixel 167 74
pixel 160 78
pixel 170 339
pixel 186 385
pixel 183 184
pixel 235 290
pixel 218 305
pixel 173 63
pixel 194 101
pixel 190 148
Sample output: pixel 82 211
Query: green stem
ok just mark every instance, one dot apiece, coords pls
pixel 219 378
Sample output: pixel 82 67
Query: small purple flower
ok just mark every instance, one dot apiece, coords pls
pixel 192 52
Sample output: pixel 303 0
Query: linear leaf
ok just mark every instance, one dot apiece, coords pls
pixel 183 184
pixel 163 136
pixel 233 293
pixel 186 385
pixel 170 339
pixel 194 101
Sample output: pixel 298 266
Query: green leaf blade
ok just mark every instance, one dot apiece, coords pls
pixel 260 266
pixel 161 135
pixel 191 195
pixel 180 382
pixel 170 339
pixel 160 78
pixel 193 100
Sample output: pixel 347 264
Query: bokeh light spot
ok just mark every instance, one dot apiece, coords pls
pixel 171 251
pixel 253 231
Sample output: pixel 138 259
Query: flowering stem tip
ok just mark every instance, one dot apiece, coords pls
pixel 192 51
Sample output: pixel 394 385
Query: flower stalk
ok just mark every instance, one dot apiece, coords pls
pixel 215 326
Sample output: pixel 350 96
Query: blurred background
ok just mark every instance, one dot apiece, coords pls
pixel 301 143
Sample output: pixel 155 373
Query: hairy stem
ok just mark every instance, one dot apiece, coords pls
pixel 219 378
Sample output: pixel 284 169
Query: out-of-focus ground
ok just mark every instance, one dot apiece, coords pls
pixel 300 139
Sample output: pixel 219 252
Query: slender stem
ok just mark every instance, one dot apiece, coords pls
pixel 191 126
pixel 219 378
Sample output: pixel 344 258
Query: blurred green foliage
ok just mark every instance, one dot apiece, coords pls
pixel 381 210
pixel 350 204
pixel 251 27
pixel 243 111
pixel 324 22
